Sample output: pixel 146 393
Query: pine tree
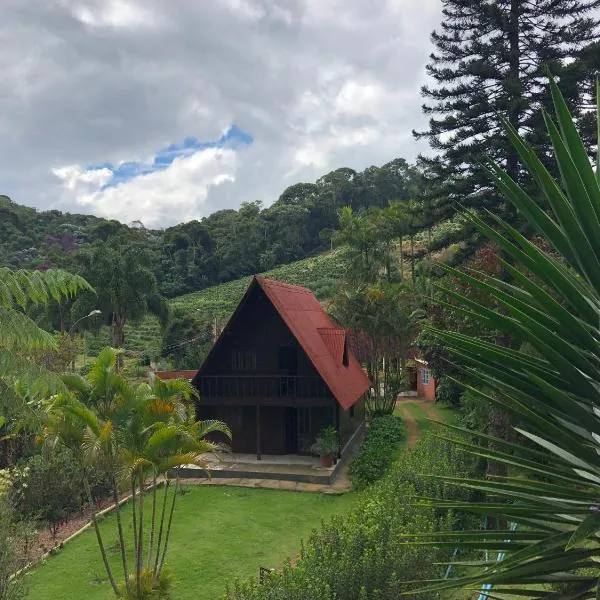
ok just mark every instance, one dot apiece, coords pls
pixel 493 59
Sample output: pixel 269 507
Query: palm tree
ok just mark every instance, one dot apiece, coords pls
pixel 552 492
pixel 137 432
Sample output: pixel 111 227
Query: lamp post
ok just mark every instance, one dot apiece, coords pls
pixel 71 329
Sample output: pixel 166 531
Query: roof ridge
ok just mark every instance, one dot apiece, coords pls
pixel 283 284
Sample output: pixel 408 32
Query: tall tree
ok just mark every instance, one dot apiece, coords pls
pixel 136 432
pixel 127 287
pixel 492 58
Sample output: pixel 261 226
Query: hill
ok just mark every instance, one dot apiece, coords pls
pixel 319 273
pixel 224 246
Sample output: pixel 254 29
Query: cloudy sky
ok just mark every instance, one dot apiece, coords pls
pixel 165 111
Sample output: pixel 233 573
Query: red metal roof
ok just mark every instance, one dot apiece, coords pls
pixel 335 341
pixel 175 374
pixel 321 339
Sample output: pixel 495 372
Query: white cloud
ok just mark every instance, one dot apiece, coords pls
pixel 174 194
pixel 319 84
pixel 112 13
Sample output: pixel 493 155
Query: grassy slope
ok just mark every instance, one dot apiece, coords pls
pixel 219 533
pixel 319 273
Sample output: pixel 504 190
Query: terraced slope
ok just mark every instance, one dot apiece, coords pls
pixel 319 273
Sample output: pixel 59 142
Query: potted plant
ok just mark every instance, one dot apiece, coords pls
pixel 326 446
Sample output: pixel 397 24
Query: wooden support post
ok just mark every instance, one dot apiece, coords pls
pixel 337 426
pixel 258 432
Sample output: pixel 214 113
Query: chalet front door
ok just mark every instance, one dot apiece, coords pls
pixel 304 430
pixel 291 430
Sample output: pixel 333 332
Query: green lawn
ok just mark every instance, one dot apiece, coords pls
pixel 219 533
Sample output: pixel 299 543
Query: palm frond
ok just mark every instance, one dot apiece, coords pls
pixel 553 304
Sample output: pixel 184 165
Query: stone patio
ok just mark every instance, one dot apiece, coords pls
pixel 289 468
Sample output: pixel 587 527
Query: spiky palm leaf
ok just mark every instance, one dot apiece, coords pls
pixel 553 304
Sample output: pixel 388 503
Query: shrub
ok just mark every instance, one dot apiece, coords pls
pixel 12 557
pixel 365 555
pixel 448 392
pixel 50 487
pixel 380 448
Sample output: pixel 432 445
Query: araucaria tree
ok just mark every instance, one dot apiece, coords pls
pixel 492 58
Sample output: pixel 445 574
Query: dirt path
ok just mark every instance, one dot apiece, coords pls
pixel 412 427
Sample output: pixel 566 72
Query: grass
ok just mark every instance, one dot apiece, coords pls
pixel 219 534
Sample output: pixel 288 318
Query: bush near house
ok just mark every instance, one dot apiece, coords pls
pixel 379 450
pixel 48 487
pixel 365 555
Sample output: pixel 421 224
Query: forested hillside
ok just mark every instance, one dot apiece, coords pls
pixel 224 246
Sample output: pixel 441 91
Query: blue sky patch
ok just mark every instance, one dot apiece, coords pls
pixel 232 138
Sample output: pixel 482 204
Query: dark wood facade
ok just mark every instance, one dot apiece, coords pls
pixel 261 382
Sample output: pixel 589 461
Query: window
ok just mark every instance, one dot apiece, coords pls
pixel 243 359
pixel 345 357
pixel 425 376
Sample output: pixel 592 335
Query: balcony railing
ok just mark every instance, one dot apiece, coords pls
pixel 267 386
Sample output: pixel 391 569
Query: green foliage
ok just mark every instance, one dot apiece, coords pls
pixel 135 431
pixel 550 310
pixel 225 246
pixel 48 488
pixel 23 377
pixel 379 450
pixel 367 554
pixel 448 391
pixel 127 289
pixel 188 339
pixel 150 588
pixel 327 443
pixel 12 555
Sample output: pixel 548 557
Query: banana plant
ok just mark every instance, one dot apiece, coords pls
pixel 551 302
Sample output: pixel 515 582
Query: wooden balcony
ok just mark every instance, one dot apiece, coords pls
pixel 263 389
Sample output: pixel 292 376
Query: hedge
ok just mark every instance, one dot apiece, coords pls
pixel 379 450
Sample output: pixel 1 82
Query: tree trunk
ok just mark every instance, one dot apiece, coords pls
pixel 401 259
pixel 140 543
pixel 514 87
pixel 117 330
pixel 121 534
pixel 134 515
pixel 168 533
pixel 412 259
pixel 109 572
pixel 160 529
pixel 153 524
